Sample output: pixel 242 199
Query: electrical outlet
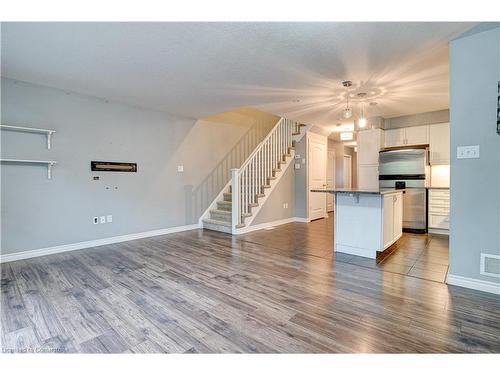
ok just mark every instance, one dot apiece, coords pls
pixel 180 168
pixel 468 152
pixel 95 220
pixel 297 166
pixel 109 218
pixel 102 219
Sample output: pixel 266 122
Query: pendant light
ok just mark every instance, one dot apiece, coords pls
pixel 347 113
pixel 362 120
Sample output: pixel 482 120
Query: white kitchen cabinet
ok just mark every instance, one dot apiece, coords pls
pixel 394 137
pixel 369 144
pixel 439 211
pixel 392 218
pixel 368 176
pixel 398 216
pixel 439 144
pixel 415 135
pixel 367 222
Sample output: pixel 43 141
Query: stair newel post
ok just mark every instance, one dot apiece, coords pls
pixel 235 199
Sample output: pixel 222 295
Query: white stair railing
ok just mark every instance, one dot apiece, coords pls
pixel 248 181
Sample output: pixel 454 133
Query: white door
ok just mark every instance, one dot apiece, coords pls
pixel 317 175
pixel 347 172
pixel 330 179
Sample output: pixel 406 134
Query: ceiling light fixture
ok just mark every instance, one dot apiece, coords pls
pixel 346 136
pixel 347 113
pixel 362 120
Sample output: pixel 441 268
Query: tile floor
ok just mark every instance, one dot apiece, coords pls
pixel 417 255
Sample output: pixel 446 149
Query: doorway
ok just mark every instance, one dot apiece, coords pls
pixel 347 171
pixel 330 180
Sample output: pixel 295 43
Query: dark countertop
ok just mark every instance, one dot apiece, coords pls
pixel 358 191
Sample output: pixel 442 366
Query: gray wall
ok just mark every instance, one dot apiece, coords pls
pixel 37 212
pixel 284 192
pixel 426 118
pixel 475 183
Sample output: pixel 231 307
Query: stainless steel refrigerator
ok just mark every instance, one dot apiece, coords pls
pixel 407 169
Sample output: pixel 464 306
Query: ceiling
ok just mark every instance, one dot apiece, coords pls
pixel 199 69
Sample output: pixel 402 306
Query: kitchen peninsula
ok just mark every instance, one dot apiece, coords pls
pixel 366 221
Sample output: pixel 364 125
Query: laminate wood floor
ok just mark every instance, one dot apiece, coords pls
pixel 279 290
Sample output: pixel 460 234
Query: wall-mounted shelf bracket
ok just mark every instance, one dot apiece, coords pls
pixel 48 132
pixel 48 163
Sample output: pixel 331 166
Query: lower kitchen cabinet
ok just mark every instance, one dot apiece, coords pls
pixel 439 211
pixel 392 218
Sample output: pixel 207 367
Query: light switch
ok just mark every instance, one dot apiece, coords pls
pixel 303 161
pixel 297 156
pixel 180 168
pixel 468 152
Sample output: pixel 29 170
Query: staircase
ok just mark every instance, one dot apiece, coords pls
pixel 250 185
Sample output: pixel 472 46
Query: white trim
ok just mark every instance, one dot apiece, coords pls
pixel 270 224
pixel 444 232
pixel 467 282
pixel 482 268
pixel 359 251
pixel 92 243
pixel 302 220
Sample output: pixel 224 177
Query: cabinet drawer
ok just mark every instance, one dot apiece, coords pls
pixel 439 202
pixel 439 221
pixel 439 194
pixel 439 210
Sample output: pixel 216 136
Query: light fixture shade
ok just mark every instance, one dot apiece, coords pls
pixel 347 113
pixel 362 122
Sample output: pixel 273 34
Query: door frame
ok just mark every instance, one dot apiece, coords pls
pixel 334 184
pixel 343 167
pixel 319 137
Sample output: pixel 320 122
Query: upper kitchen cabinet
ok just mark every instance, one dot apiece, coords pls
pixel 394 137
pixel 439 144
pixel 415 135
pixel 369 144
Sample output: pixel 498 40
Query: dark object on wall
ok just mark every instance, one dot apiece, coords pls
pixel 109 166
pixel 498 108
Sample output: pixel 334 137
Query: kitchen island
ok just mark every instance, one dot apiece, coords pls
pixel 366 221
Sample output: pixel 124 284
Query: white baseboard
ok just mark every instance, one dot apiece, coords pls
pixel 467 282
pixel 445 232
pixel 302 220
pixel 4 258
pixel 270 224
pixel 361 252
